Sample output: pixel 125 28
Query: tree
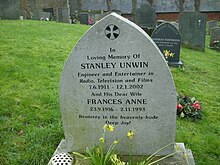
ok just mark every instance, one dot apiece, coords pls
pixel 79 3
pixel 134 6
pixel 150 2
pixel 109 5
pixel 25 9
pixel 181 2
pixel 197 4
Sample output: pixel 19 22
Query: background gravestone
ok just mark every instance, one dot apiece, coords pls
pixel 192 27
pixel 167 38
pixel 211 24
pixel 84 18
pixel 46 15
pixel 117 75
pixel 9 9
pixel 146 17
pixel 215 38
pixel 63 15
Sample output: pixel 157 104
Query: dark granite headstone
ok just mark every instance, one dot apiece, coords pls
pixel 167 38
pixel 46 15
pixel 84 18
pixel 211 24
pixel 192 27
pixel 9 9
pixel 215 38
pixel 36 14
pixel 146 16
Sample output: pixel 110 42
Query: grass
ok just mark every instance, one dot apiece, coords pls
pixel 32 54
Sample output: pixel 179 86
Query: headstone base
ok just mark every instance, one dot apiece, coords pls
pixel 184 156
pixel 175 64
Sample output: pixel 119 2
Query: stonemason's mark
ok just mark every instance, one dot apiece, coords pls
pixel 112 32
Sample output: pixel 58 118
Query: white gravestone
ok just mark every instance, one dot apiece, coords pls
pixel 117 75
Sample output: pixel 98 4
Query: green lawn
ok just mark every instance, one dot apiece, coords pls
pixel 32 54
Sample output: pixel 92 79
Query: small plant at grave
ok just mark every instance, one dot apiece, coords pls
pixel 96 154
pixel 149 160
pixel 215 44
pixel 97 157
pixel 167 54
pixel 188 108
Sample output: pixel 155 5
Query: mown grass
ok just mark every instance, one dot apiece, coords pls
pixel 200 78
pixel 32 54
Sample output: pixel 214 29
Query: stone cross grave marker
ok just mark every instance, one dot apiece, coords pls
pixel 215 38
pixel 116 75
pixel 211 24
pixel 192 27
pixel 167 38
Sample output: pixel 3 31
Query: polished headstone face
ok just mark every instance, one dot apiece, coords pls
pixel 167 38
pixel 192 27
pixel 117 75
pixel 84 18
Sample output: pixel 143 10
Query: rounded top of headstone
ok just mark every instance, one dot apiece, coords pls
pixel 166 29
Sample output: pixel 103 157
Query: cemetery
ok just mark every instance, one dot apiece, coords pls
pixel 116 90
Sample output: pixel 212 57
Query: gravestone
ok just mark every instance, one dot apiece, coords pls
pixel 146 17
pixel 46 15
pixel 36 14
pixel 211 24
pixel 84 18
pixel 167 38
pixel 116 75
pixel 192 27
pixel 9 9
pixel 215 38
pixel 63 15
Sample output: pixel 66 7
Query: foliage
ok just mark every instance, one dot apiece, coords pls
pixel 25 9
pixel 32 54
pixel 188 108
pixel 215 44
pixel 97 156
pixel 168 54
